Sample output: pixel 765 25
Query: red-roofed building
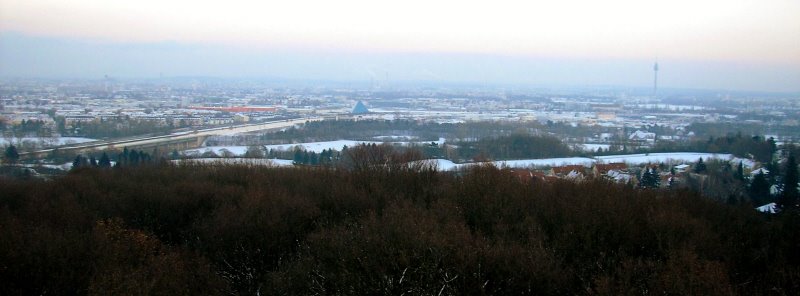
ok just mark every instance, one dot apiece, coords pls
pixel 563 171
pixel 525 175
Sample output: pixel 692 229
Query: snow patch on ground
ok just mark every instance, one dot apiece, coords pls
pixel 65 167
pixel 443 164
pixel 770 208
pixel 746 163
pixel 593 147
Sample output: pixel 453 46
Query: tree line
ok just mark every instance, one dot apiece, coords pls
pixel 751 147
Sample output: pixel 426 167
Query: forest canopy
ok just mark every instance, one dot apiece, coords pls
pixel 370 230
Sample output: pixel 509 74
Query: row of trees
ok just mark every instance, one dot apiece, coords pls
pixel 326 157
pixel 25 128
pixel 515 146
pixel 754 147
pixel 124 158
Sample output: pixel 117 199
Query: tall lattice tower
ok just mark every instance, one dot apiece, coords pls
pixel 655 79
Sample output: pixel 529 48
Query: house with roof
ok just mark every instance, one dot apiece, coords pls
pixel 602 169
pixel 616 172
pixel 681 168
pixel 526 175
pixel 621 177
pixel 642 136
pixel 567 170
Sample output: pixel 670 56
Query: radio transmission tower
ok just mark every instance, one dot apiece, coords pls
pixel 655 79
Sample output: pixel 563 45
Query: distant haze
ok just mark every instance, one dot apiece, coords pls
pixel 746 44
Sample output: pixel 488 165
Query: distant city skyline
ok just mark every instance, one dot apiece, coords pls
pixel 739 45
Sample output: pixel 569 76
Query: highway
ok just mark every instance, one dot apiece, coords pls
pixel 216 131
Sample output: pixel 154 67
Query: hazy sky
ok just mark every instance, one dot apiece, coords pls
pixel 736 44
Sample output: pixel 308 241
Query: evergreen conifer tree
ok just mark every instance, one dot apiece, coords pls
pixel 740 171
pixel 78 162
pixel 790 193
pixel 104 162
pixel 298 156
pixel 759 189
pixel 11 155
pixel 144 157
pixel 650 178
pixel 700 167
pixel 313 158
pixel 133 157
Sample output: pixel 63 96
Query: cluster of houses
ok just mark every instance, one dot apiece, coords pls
pixel 16 118
pixel 615 172
pixel 177 118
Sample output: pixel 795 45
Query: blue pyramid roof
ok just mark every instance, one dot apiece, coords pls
pixel 360 108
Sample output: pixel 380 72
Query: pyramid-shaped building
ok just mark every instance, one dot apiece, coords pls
pixel 360 108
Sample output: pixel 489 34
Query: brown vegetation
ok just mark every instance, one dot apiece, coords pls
pixel 379 230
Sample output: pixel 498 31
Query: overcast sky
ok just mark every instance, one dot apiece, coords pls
pixel 733 44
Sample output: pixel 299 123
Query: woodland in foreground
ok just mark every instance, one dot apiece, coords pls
pixel 178 230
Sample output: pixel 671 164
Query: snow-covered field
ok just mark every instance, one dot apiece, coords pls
pixel 676 157
pixel 447 165
pixel 320 146
pixel 444 165
pixel 632 159
pixel 45 141
pixel 316 147
pixel 523 163
pixel 339 144
pixel 218 150
pixel 244 161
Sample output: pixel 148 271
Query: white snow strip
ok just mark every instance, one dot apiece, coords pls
pixel 318 147
pixel 524 163
pixel 237 161
pixel 637 159
pixel 45 141
pixel 218 150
